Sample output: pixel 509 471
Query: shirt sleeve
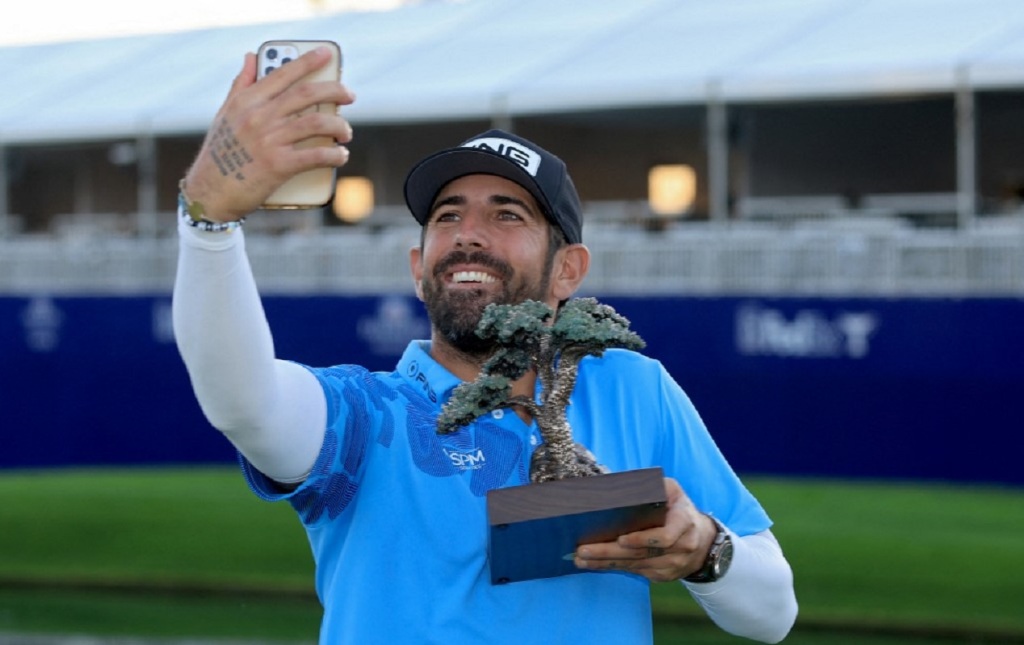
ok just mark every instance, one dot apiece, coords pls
pixel 755 599
pixel 273 411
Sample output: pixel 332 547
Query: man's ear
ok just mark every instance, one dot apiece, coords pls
pixel 571 265
pixel 416 268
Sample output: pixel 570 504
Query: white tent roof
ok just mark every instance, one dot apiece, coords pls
pixel 479 58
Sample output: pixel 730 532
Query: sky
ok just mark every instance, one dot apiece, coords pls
pixel 38 21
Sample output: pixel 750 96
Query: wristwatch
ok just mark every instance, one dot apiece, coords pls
pixel 719 557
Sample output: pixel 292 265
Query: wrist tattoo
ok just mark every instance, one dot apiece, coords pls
pixel 229 155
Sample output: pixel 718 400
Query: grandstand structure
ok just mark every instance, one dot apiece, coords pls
pixel 818 258
pixel 841 295
pixel 841 147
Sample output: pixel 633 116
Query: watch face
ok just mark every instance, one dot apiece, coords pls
pixel 724 559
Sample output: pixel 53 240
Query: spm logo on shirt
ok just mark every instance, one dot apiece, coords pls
pixel 468 460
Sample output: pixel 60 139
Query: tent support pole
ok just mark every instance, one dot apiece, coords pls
pixel 718 155
pixel 501 119
pixel 966 172
pixel 148 218
pixel 5 224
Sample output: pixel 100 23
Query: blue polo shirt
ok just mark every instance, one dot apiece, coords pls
pixel 396 515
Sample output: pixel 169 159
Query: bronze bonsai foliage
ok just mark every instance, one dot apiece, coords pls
pixel 525 339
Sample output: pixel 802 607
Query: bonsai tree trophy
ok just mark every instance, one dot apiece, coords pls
pixel 571 500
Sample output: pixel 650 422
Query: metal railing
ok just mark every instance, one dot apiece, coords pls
pixel 831 258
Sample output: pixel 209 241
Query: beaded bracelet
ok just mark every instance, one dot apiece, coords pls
pixel 192 213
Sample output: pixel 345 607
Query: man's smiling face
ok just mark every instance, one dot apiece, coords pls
pixel 486 241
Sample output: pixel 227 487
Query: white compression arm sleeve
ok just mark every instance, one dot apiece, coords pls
pixel 273 411
pixel 755 598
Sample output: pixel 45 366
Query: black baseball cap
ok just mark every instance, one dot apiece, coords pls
pixel 500 153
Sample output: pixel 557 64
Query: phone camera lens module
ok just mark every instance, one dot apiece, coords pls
pixel 269 69
pixel 285 60
pixel 271 54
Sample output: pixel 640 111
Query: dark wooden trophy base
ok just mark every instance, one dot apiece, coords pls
pixel 535 528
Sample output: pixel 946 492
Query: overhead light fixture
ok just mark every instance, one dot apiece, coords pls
pixel 671 189
pixel 353 199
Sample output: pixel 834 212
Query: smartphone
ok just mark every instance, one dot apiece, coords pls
pixel 312 188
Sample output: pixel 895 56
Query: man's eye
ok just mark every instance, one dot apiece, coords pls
pixel 446 217
pixel 510 215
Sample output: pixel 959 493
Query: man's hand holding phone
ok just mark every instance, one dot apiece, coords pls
pixel 255 144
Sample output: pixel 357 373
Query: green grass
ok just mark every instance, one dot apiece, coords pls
pixel 158 615
pixel 912 560
pixel 188 525
pixel 932 555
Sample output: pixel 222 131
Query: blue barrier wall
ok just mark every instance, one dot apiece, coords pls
pixel 893 388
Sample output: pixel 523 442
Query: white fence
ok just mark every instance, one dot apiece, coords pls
pixel 840 258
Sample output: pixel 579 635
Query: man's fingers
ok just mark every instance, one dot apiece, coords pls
pixel 247 75
pixel 301 97
pixel 323 157
pixel 313 124
pixel 300 158
pixel 609 551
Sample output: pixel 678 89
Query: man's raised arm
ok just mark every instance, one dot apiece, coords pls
pixel 273 411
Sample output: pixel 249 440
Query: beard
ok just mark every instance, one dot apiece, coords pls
pixel 455 314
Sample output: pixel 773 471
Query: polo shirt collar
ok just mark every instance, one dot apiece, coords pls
pixel 426 375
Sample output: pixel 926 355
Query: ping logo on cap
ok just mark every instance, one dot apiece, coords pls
pixel 514 151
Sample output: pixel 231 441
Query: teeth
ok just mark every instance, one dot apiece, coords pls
pixel 472 276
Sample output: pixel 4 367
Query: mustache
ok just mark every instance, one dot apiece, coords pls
pixel 481 258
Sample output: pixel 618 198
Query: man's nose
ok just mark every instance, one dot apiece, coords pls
pixel 471 231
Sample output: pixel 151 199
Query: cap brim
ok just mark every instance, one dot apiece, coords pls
pixel 427 179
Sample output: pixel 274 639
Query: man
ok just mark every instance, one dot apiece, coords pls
pixel 397 529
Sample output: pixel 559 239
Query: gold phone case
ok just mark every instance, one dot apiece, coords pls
pixel 312 188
